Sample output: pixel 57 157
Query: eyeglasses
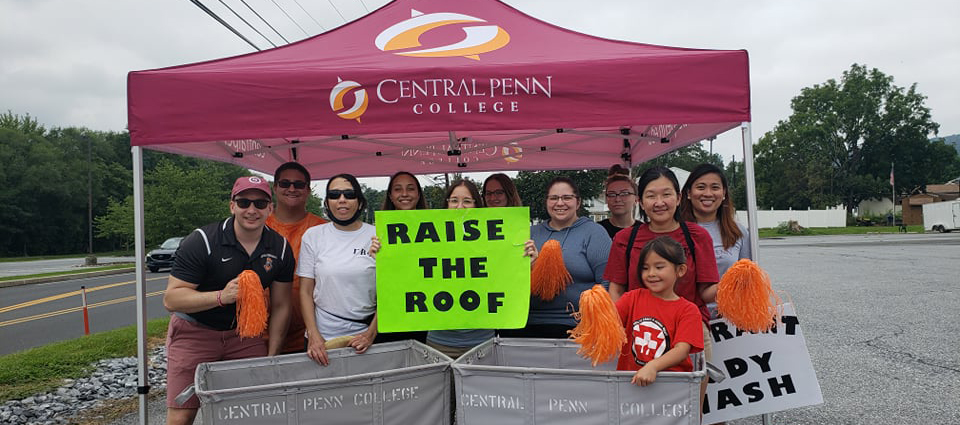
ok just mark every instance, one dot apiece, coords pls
pixel 465 201
pixel 335 194
pixel 623 194
pixel 565 198
pixel 498 192
pixel 244 203
pixel 297 184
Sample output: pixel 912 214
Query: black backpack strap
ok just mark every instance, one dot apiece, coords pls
pixel 633 236
pixel 690 246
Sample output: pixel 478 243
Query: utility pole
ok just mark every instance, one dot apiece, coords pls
pixel 91 260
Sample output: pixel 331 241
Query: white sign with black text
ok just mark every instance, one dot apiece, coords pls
pixel 766 372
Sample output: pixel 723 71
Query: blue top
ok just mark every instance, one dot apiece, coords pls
pixel 586 246
pixel 460 338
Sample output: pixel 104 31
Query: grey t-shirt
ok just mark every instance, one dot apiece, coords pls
pixel 726 257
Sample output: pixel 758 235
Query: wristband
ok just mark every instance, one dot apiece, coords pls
pixel 220 303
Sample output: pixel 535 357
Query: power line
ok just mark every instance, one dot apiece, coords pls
pixel 248 24
pixel 265 21
pixel 290 18
pixel 338 10
pixel 224 23
pixel 311 16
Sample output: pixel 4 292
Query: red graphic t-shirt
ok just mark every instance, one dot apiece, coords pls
pixel 654 326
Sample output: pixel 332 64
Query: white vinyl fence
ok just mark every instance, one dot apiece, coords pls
pixel 834 217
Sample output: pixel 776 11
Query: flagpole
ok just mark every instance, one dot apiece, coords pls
pixel 893 196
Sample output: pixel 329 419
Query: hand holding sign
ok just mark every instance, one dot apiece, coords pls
pixel 452 269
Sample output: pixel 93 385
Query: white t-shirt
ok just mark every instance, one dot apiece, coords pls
pixel 345 275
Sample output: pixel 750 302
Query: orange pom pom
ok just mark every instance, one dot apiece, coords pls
pixel 599 332
pixel 549 276
pixel 251 306
pixel 746 299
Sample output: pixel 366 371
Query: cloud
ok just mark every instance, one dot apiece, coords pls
pixel 65 62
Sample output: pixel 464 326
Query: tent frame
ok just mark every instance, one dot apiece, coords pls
pixel 140 241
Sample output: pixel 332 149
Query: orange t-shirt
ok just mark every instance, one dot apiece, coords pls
pixel 293 232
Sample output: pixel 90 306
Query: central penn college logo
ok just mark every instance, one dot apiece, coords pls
pixel 406 35
pixel 359 104
pixel 512 153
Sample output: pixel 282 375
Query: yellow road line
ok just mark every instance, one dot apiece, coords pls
pixel 73 309
pixel 68 294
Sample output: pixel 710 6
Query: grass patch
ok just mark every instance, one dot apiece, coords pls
pixel 850 230
pixel 61 256
pixel 43 369
pixel 70 272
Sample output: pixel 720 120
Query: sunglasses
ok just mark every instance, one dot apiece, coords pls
pixel 244 203
pixel 498 192
pixel 297 184
pixel 335 194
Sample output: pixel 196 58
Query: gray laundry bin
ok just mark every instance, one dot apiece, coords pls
pixel 397 383
pixel 543 381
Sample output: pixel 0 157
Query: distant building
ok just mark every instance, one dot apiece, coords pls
pixel 913 204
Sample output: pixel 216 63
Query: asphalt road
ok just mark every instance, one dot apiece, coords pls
pixel 35 315
pixel 878 313
pixel 21 268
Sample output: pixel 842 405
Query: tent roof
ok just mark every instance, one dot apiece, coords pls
pixel 441 85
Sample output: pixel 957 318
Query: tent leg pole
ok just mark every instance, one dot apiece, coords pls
pixel 143 384
pixel 751 191
pixel 752 209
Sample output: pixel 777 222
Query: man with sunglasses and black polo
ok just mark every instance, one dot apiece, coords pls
pixel 202 291
pixel 291 186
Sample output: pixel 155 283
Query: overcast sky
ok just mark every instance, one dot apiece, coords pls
pixel 64 62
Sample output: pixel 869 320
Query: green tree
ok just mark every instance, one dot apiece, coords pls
pixel 736 179
pixel 839 142
pixel 531 185
pixel 176 201
pixel 686 158
pixel 374 201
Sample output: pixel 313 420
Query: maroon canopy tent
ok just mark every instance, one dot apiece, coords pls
pixel 432 86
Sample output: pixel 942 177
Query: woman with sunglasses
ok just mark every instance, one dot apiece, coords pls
pixel 621 194
pixel 585 246
pixel 337 273
pixel 499 191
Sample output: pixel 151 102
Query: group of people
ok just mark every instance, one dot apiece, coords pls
pixel 321 274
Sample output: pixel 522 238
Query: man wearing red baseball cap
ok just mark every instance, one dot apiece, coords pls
pixel 202 291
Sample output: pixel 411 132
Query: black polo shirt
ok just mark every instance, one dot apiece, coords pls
pixel 211 256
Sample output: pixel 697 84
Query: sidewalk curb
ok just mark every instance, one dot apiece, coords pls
pixel 47 279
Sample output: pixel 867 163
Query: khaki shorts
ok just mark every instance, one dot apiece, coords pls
pixel 190 343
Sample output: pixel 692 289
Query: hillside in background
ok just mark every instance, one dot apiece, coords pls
pixel 953 140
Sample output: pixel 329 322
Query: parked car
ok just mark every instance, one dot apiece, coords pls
pixel 163 256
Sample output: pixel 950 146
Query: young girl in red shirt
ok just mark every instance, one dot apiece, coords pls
pixel 663 329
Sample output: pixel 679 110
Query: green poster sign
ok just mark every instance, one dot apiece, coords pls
pixel 453 269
